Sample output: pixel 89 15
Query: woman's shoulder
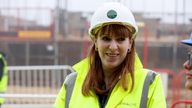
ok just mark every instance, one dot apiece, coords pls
pixel 83 64
pixel 142 73
pixel 82 67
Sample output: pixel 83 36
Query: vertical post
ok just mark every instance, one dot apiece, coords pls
pixel 184 14
pixel 174 61
pixel 163 9
pixel 66 18
pixel 145 48
pixel 55 39
pixel 18 19
pixel 27 53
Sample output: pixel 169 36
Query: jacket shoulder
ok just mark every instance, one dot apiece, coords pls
pixel 82 66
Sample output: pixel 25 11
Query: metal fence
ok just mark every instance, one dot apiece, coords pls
pixel 34 86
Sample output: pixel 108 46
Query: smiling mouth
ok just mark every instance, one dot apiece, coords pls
pixel 112 55
pixel 189 75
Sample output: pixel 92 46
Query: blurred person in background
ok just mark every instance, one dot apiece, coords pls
pixel 3 76
pixel 188 83
pixel 112 75
pixel 188 64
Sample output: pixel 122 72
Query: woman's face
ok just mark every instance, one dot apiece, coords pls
pixel 188 83
pixel 112 49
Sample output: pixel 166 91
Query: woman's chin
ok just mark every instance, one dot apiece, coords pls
pixel 188 85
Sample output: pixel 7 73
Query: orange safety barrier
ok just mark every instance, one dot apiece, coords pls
pixel 181 102
pixel 178 81
pixel 173 75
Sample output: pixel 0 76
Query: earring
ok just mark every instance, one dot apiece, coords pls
pixel 128 50
pixel 96 49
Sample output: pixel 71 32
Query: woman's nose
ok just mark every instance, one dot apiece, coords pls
pixel 113 45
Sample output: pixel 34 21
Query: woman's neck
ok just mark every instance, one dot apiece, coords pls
pixel 108 73
pixel 109 78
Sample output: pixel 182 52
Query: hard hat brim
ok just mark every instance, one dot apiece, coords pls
pixel 187 42
pixel 95 29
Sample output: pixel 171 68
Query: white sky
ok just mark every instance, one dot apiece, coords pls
pixel 135 5
pixel 91 5
pixel 160 6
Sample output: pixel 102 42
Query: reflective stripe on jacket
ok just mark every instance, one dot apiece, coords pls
pixel 4 79
pixel 118 98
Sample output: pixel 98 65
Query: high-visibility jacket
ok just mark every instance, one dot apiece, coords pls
pixel 4 79
pixel 119 98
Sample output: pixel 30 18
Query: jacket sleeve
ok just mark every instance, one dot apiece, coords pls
pixel 60 100
pixel 156 97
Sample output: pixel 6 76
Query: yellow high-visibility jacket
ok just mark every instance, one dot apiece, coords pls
pixel 4 79
pixel 118 97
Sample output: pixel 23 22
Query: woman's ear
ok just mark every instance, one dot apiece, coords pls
pixel 131 42
pixel 95 42
pixel 130 45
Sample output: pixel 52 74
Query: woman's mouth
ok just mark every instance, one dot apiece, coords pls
pixel 112 54
pixel 188 75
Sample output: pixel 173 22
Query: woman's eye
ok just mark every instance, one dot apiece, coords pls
pixel 121 39
pixel 106 39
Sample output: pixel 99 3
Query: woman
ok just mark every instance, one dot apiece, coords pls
pixel 112 75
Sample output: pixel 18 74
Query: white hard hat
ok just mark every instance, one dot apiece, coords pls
pixel 113 13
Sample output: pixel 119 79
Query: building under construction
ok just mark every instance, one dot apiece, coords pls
pixel 65 40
